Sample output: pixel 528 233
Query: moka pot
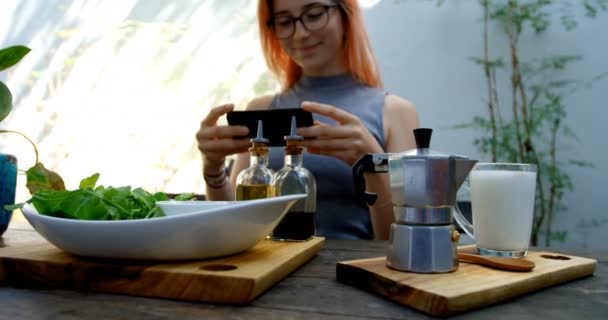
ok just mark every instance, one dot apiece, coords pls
pixel 423 186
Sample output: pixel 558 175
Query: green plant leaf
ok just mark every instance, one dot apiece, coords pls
pixel 581 163
pixel 184 197
pixel 161 196
pixel 6 101
pixel 144 198
pixel 11 55
pixel 82 204
pixel 89 182
pixel 492 63
pixel 100 203
pixel 40 178
pixel 76 204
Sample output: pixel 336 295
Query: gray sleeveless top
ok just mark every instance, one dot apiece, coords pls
pixel 340 215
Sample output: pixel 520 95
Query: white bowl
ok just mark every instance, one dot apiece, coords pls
pixel 172 207
pixel 204 232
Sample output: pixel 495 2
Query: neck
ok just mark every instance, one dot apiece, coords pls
pixel 293 160
pixel 331 69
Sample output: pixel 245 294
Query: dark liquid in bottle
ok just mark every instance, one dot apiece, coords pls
pixel 296 225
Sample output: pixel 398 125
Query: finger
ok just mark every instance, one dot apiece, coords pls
pixel 223 147
pixel 315 123
pixel 332 112
pixel 216 113
pixel 326 131
pixel 221 132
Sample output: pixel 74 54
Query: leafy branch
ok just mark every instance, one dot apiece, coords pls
pixel 38 177
pixel 538 111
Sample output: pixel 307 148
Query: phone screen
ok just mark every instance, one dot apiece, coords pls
pixel 276 122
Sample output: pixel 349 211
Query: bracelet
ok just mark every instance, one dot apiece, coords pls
pixel 216 181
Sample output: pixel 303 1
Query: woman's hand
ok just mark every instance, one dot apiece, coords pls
pixel 348 141
pixel 216 142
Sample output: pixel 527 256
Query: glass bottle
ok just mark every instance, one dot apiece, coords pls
pixel 255 182
pixel 299 222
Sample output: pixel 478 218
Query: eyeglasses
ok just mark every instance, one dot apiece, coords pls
pixel 312 18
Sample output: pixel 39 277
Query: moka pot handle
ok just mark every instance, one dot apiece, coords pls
pixel 373 163
pixel 460 218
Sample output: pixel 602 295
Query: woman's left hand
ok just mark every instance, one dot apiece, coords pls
pixel 348 140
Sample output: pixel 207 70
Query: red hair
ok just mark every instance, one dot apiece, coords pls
pixel 356 49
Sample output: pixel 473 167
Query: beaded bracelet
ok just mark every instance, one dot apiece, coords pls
pixel 216 181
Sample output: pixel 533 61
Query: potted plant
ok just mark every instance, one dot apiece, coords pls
pixel 38 177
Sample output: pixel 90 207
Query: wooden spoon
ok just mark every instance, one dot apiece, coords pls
pixel 511 264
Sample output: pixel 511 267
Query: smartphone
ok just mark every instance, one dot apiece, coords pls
pixel 276 122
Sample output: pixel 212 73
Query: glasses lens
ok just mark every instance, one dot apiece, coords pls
pixel 283 27
pixel 315 18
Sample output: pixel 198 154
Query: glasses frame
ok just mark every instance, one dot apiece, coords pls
pixel 294 20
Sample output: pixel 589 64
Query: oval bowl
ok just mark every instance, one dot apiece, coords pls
pixel 206 232
pixel 172 207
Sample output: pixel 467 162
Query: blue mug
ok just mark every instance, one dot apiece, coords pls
pixel 8 185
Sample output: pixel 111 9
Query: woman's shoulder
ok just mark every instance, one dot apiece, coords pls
pixel 397 106
pixel 400 118
pixel 260 103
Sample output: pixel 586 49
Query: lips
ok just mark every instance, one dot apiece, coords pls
pixel 307 48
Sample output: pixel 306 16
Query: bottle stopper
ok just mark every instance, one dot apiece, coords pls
pixel 260 134
pixel 292 134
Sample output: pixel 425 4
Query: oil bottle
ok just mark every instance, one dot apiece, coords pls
pixel 255 181
pixel 298 224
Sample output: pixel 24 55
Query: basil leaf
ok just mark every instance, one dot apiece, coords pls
pixel 89 182
pixel 91 202
pixel 184 197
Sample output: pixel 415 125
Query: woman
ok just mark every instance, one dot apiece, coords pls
pixel 320 51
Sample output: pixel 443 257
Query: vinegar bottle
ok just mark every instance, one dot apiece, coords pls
pixel 299 222
pixel 255 181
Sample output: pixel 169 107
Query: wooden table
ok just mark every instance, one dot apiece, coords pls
pixel 312 292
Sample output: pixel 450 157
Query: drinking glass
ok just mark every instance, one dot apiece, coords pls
pixel 502 203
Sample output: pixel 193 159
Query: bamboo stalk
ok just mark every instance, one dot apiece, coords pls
pixel 514 79
pixel 527 151
pixel 496 101
pixel 553 189
pixel 491 89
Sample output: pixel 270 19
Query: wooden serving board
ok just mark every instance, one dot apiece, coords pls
pixel 469 287
pixel 236 279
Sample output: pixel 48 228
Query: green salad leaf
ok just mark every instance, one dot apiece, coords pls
pixel 184 197
pixel 91 202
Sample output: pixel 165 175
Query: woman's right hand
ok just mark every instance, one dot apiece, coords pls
pixel 216 142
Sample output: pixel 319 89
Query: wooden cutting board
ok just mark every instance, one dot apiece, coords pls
pixel 236 279
pixel 469 287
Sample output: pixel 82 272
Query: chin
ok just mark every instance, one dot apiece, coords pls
pixel 311 63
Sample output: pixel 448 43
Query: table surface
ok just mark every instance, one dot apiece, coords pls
pixel 311 292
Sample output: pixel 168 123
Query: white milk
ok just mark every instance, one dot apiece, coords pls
pixel 503 205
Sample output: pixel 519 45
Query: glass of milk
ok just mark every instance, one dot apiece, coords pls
pixel 502 203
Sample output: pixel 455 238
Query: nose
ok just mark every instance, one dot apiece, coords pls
pixel 300 30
